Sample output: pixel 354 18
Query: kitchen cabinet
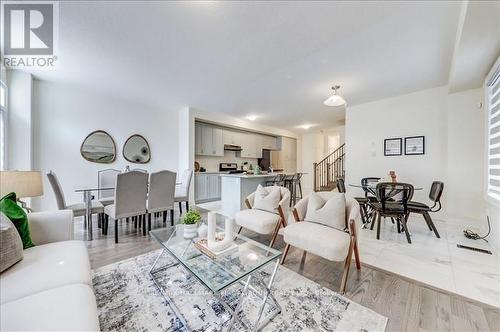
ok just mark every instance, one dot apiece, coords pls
pixel 250 146
pixel 208 140
pixel 206 187
pixel 286 157
pixel 267 142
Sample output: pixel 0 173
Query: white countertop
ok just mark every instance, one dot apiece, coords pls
pixel 249 176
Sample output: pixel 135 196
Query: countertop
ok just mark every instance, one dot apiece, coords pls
pixel 249 176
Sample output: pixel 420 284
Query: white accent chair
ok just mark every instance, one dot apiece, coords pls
pixel 264 222
pixel 182 189
pixel 79 209
pixel 161 195
pixel 51 288
pixel 130 199
pixel 327 242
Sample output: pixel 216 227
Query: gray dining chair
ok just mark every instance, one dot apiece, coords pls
pixel 130 199
pixel 161 195
pixel 79 209
pixel 106 178
pixel 182 190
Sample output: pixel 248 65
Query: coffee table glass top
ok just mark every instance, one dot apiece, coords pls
pixel 221 272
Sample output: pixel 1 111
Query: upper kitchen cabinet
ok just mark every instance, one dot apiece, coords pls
pixel 249 146
pixel 208 140
pixel 267 142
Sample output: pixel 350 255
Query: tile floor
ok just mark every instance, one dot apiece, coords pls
pixel 436 262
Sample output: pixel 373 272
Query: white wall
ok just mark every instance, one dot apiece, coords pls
pixel 64 115
pixel 19 135
pixel 465 150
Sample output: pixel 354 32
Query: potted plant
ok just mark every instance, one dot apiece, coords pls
pixel 190 222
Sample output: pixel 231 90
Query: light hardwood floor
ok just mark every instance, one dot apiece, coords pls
pixel 409 305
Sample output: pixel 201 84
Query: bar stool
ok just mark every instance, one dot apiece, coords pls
pixel 276 181
pixel 292 182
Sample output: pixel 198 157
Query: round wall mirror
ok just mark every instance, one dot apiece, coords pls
pixel 98 147
pixel 136 150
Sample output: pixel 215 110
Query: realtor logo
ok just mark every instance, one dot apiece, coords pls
pixel 29 31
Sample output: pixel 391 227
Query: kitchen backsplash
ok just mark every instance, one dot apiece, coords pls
pixel 211 164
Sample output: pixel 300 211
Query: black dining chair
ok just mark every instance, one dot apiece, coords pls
pixel 423 209
pixel 341 185
pixel 370 197
pixel 393 198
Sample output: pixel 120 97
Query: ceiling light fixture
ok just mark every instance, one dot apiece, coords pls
pixel 306 126
pixel 251 117
pixel 335 99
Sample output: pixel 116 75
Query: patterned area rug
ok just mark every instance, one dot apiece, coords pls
pixel 127 299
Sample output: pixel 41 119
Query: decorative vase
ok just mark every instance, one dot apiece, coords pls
pixel 190 231
pixel 203 230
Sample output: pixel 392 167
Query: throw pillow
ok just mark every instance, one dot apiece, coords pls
pixel 267 198
pixel 329 212
pixel 16 214
pixel 11 249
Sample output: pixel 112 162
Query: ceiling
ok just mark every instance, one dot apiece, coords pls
pixel 276 60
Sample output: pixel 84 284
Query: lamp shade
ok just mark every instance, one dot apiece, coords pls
pixel 334 100
pixel 23 183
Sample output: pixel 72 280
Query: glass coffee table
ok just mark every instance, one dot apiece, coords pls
pixel 235 266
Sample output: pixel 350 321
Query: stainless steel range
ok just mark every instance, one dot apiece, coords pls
pixel 229 167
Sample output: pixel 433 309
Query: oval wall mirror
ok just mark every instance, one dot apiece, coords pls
pixel 98 147
pixel 136 150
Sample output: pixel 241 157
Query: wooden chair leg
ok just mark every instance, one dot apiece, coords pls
pixel 144 225
pixel 373 221
pixel 187 206
pixel 347 265
pixel 180 207
pixel 239 230
pixel 285 252
pixel 116 230
pixel 164 216
pixel 378 226
pixel 431 224
pixel 275 233
pixel 356 255
pixel 172 217
pixel 149 222
pixel 405 227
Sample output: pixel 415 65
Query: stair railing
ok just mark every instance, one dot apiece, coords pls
pixel 329 169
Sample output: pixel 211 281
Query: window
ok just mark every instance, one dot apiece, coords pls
pixel 3 124
pixel 493 134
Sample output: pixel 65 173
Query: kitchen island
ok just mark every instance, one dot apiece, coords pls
pixel 236 187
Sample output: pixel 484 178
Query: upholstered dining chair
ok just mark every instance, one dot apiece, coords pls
pixel 182 190
pixel 79 209
pixel 106 178
pixel 332 243
pixel 161 195
pixel 423 209
pixel 265 222
pixel 130 199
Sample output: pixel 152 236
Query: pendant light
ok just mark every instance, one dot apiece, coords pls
pixel 335 99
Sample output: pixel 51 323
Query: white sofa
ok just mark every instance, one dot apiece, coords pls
pixel 51 288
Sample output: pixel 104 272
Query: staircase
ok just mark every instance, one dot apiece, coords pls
pixel 328 170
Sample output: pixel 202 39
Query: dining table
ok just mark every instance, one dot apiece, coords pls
pixel 87 199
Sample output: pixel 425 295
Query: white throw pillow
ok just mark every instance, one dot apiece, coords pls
pixel 330 212
pixel 267 198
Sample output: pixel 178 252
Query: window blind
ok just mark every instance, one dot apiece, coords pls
pixel 493 145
